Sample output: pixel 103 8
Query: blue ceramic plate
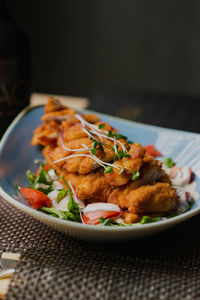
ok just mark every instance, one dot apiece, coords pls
pixel 17 156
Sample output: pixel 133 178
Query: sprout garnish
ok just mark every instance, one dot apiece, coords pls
pixel 94 131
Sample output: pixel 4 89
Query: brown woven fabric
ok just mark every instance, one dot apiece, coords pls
pixel 54 266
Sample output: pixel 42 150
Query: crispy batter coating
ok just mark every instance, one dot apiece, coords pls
pixel 159 197
pixel 130 164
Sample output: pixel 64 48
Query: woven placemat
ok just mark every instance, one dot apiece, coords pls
pixel 55 266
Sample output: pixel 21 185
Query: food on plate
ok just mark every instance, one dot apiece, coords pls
pixel 93 174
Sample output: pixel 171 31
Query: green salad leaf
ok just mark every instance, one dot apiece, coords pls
pixel 73 208
pixel 31 176
pixel 168 162
pixel 41 178
pixel 147 219
pixel 61 195
pixel 135 175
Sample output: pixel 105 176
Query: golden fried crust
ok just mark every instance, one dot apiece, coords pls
pixel 46 134
pixel 143 196
pixel 152 198
pixel 90 186
pixel 130 164
pixel 159 197
pixel 53 104
pixel 130 218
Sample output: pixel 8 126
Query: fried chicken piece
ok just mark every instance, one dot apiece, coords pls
pixel 159 197
pixel 91 186
pixel 130 218
pixel 150 173
pixel 130 164
pixel 46 134
pixel 53 104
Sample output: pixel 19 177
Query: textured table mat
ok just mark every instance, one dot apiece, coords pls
pixel 55 266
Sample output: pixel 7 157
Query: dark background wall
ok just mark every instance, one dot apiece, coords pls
pixel 83 47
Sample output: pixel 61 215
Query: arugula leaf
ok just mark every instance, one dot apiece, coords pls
pixel 189 205
pixel 172 215
pixel 61 195
pixel 108 170
pixel 54 212
pixel 31 176
pixel 146 219
pixel 42 178
pixel 73 208
pixel 135 175
pixel 101 126
pixel 168 162
pixel 108 222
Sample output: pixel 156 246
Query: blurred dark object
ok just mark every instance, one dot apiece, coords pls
pixel 177 112
pixel 14 68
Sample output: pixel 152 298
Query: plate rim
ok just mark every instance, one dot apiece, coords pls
pixel 136 227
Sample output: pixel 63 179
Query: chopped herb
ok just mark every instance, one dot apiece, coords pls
pixel 135 175
pixel 101 126
pixel 146 219
pixel 168 162
pixel 61 195
pixel 116 135
pixel 95 146
pixel 108 170
pixel 130 142
pixel 31 176
pixel 119 154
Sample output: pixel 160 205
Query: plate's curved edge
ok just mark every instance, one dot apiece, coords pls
pixel 164 224
pixel 137 227
pixel 13 123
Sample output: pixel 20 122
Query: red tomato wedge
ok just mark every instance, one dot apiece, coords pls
pixel 46 168
pixel 151 149
pixel 92 218
pixel 36 198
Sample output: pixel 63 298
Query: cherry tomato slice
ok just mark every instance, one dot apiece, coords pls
pixel 151 149
pixel 36 198
pixel 92 218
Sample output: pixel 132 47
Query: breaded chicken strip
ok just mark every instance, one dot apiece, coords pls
pixel 46 134
pixel 130 164
pixel 159 197
pixel 91 186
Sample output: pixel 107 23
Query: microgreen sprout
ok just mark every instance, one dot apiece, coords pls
pixel 135 175
pixel 116 135
pixel 108 170
pixel 101 126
